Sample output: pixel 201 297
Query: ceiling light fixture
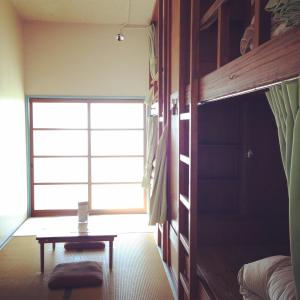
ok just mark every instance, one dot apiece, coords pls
pixel 120 36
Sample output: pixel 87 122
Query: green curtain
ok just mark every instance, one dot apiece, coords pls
pixel 284 100
pixel 158 198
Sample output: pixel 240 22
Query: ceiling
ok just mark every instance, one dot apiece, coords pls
pixel 86 11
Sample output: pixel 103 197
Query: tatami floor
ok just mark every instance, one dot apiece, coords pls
pixel 137 272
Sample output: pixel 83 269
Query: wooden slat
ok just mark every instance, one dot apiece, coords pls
pixel 193 147
pixel 185 243
pixel 185 284
pixel 185 159
pixel 184 200
pixel 223 35
pixel 274 61
pixel 211 13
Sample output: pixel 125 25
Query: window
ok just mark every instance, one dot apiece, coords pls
pixel 86 151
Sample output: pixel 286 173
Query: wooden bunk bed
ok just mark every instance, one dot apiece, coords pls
pixel 221 153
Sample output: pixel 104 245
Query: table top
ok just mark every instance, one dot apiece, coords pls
pixel 75 234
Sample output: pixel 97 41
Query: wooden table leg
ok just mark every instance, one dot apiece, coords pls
pixel 42 256
pixel 110 254
pixel 53 246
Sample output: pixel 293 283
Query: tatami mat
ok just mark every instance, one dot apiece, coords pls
pixel 137 274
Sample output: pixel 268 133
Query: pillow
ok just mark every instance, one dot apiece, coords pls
pixel 268 278
pixel 84 246
pixel 75 275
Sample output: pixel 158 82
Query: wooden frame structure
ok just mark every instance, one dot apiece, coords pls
pixel 200 62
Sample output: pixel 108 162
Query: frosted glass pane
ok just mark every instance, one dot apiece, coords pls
pixel 117 142
pixel 117 196
pixel 60 142
pixel 60 170
pixel 59 196
pixel 117 169
pixel 117 115
pixel 59 115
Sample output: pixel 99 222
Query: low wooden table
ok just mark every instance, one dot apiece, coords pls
pixel 74 237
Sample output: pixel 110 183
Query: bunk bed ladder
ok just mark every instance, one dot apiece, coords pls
pixel 188 166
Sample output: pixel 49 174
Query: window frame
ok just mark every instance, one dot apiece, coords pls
pixel 69 212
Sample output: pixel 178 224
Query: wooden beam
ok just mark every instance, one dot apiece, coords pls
pixel 274 61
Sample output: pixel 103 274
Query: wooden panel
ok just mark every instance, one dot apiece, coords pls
pixel 218 196
pixel 219 123
pixel 262 23
pixel 175 45
pixel 218 162
pixel 274 61
pixel 266 190
pixel 208 50
pixel 221 229
pixel 223 35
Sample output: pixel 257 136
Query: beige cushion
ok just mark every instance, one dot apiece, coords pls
pixel 74 275
pixel 268 278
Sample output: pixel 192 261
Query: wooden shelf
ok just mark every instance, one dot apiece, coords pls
pixel 272 62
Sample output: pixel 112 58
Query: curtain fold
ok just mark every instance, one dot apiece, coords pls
pixel 158 198
pixel 152 53
pixel 284 100
pixel 152 129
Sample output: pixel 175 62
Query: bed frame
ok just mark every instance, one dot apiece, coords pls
pixel 215 199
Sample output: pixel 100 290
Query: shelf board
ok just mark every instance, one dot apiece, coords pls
pixel 271 62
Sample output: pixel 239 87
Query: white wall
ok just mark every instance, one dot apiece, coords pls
pixel 13 185
pixel 78 59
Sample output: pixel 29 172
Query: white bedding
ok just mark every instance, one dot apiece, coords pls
pixel 269 278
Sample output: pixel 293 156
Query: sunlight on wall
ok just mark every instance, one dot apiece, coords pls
pixel 13 182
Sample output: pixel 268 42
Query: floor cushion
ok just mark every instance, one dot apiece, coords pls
pixel 75 275
pixel 84 246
